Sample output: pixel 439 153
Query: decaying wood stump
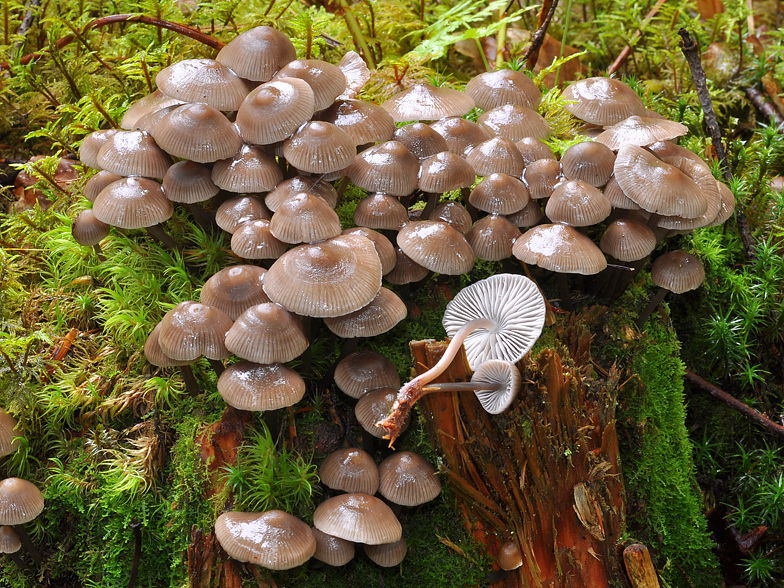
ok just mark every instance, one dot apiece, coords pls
pixel 545 473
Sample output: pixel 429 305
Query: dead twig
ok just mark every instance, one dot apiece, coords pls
pixel 764 106
pixel 734 403
pixel 545 16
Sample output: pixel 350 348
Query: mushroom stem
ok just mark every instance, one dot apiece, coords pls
pixel 191 385
pixel 432 202
pixel 566 296
pixel 137 552
pixel 462 387
pixel 415 389
pixel 655 301
pixel 19 562
pixel 99 252
pixel 28 544
pixel 217 366
pixel 157 233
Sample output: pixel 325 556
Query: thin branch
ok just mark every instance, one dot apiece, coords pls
pixel 532 54
pixel 762 104
pixel 624 54
pixel 736 404
pixel 692 53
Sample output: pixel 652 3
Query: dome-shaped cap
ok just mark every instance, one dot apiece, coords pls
pixel 274 110
pixel 88 230
pixel 274 539
pixel 426 102
pixel 727 204
pixel 387 555
pixel 189 182
pixel 509 556
pixel 331 278
pixel 380 211
pixel 238 210
pixel 533 150
pixel 235 289
pixel 707 184
pixel 588 162
pixel 362 371
pixel 152 102
pixel 133 153
pixel 358 517
pixel 304 218
pixel 678 272
pixel 148 122
pixel 420 140
pixel 559 248
pixel 381 315
pixel 408 479
pixel 20 501
pixel 154 353
pixel 437 246
pixel 578 204
pixel 492 238
pixel 197 132
pixel 504 86
pixel 528 216
pixel 8 434
pixel 365 122
pixel 514 302
pixel 350 470
pixel 256 387
pixel 375 406
pixel 499 373
pixel 657 186
pixel 192 329
pixel 603 101
pixel 387 167
pixel 640 131
pixel 319 147
pixel 203 80
pixel 132 203
pixel 542 177
pixel 326 80
pixel 460 134
pixel 357 74
pixel 9 540
pixel 499 194
pixel 333 551
pixel 612 190
pixel 454 214
pixel 384 247
pixel 266 333
pixel 258 53
pixel 628 240
pixel 664 149
pixel 250 170
pixel 406 270
pixel 98 182
pixel 445 172
pixel 496 155
pixel 91 144
pixel 293 186
pixel 514 122
pixel 254 240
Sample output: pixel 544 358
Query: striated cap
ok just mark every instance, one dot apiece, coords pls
pixel 603 101
pixel 358 517
pixel 542 177
pixel 727 204
pixel 319 147
pixel 384 247
pixel 406 270
pixel 628 240
pixel 256 387
pixel 426 102
pixel 20 501
pixel 274 110
pixel 235 289
pixel 362 371
pixel 504 86
pixel 327 279
pixel 203 80
pixel 387 555
pixel 678 272
pixel 387 167
pixel 258 53
pixel 254 240
pixel 640 131
pixel 364 122
pixel 146 105
pixel 189 182
pixel 304 218
pixel 454 214
pixel 154 353
pixel 274 539
pixel 326 80
pixel 502 374
pixel 192 329
pixel 514 122
pixel 380 211
pixel 496 155
pixel 238 210
pixel 492 238
pixel 707 183
pixel 98 182
pixel 408 479
pixel 133 153
pixel 528 216
pixel 382 314
pixel 420 140
pixel 350 470
pixel 250 170
pixel 612 190
pixel 9 540
pixel 91 144
pixel 460 134
pixel 293 186
pixel 499 194
pixel 445 172
pixel 333 551
pixel 437 247
pixel 8 433
pixel 588 162
pixel 267 333
pixel 578 204
pixel 374 406
pixel 132 203
pixel 559 248
pixel 197 132
pixel 88 230
pixel 533 150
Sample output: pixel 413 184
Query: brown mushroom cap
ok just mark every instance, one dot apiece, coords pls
pixel 132 203
pixel 374 406
pixel 542 177
pixel 365 122
pixel 454 214
pixel 640 131
pixel 628 240
pixel 603 101
pixel 254 240
pixel 678 272
pixel 578 204
pixel 350 470
pixel 133 153
pixel 528 216
pixel 274 110
pixel 197 132
pixel 533 150
pixel 559 248
pixel 499 194
pixel 98 182
pixel 274 539
pixel 387 555
pixel 88 230
pixel 189 182
pixel 20 501
pixel 460 134
pixel 333 551
pixel 152 102
pixel 496 155
pixel 8 434
pixel 304 218
pixel 514 122
pixel 504 86
pixel 408 479
pixel 406 270
pixel 614 193
pixel 420 140
pixel 331 278
pixel 9 540
pixel 319 147
pixel 362 371
pixel 237 211
pixel 358 517
pixel 727 204
pixel 258 53
pixel 235 289
pixel 384 247
pixel 267 333
pixel 326 80
pixel 510 557
pixel 256 387
pixel 293 186
pixel 203 80
pixel 426 102
pixel 492 238
pixel 91 144
pixel 380 211
pixel 192 329
pixel 444 172
pixel 588 162
pixel 387 167
pixel 250 170
pixel 707 184
pixel 154 353
pixel 437 246
pixel 381 315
